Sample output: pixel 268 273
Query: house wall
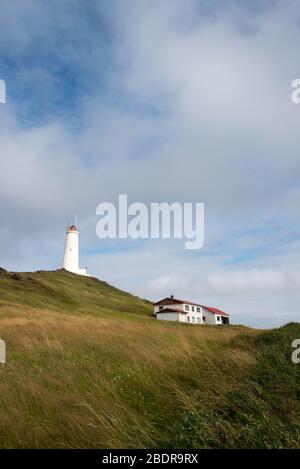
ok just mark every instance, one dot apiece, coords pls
pixel 182 317
pixel 197 315
pixel 212 318
pixel 192 308
pixel 192 316
pixel 187 318
pixel 168 316
pixel 209 317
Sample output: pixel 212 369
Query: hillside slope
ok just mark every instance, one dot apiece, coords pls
pixel 88 366
pixel 66 292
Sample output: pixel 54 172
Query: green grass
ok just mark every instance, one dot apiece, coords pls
pixel 88 366
pixel 68 293
pixel 260 411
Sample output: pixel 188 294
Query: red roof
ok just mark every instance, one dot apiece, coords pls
pixel 177 301
pixel 171 310
pixel 215 311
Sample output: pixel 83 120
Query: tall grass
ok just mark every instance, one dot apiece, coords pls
pixel 257 406
pixel 90 376
pixel 76 381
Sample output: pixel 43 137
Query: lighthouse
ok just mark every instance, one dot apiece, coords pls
pixel 71 254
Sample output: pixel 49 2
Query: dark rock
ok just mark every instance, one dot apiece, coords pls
pixel 16 276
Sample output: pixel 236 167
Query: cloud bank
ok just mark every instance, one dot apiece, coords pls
pixel 165 101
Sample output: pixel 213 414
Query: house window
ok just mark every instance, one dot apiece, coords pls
pixel 204 318
pixel 193 319
pixel 199 320
pixel 193 308
pixel 187 308
pixel 188 319
pixel 161 308
pixel 218 318
pixel 198 310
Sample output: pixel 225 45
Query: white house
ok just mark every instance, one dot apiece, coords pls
pixel 172 309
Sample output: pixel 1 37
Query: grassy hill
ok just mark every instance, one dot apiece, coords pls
pixel 68 293
pixel 88 366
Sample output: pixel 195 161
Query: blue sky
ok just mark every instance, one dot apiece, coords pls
pixel 164 101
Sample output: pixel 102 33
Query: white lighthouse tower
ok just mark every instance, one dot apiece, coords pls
pixel 71 254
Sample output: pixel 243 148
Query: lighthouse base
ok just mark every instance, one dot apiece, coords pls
pixel 78 271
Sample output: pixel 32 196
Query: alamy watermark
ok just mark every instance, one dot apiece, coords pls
pixel 296 353
pixel 2 92
pixel 295 96
pixel 2 352
pixel 156 221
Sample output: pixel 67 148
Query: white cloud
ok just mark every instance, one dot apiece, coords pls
pixel 254 281
pixel 195 106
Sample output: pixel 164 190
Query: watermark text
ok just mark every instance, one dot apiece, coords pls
pixel 156 221
pixel 296 352
pixel 295 96
pixel 2 352
pixel 2 92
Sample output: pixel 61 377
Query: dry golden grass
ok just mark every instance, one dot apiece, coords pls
pixel 88 366
pixel 85 381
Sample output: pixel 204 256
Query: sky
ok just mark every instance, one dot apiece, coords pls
pixel 165 101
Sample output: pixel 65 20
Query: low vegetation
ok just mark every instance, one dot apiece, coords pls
pixel 88 366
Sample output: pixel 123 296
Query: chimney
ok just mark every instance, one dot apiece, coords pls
pixel 172 297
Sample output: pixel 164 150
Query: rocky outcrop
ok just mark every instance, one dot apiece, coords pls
pixel 2 271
